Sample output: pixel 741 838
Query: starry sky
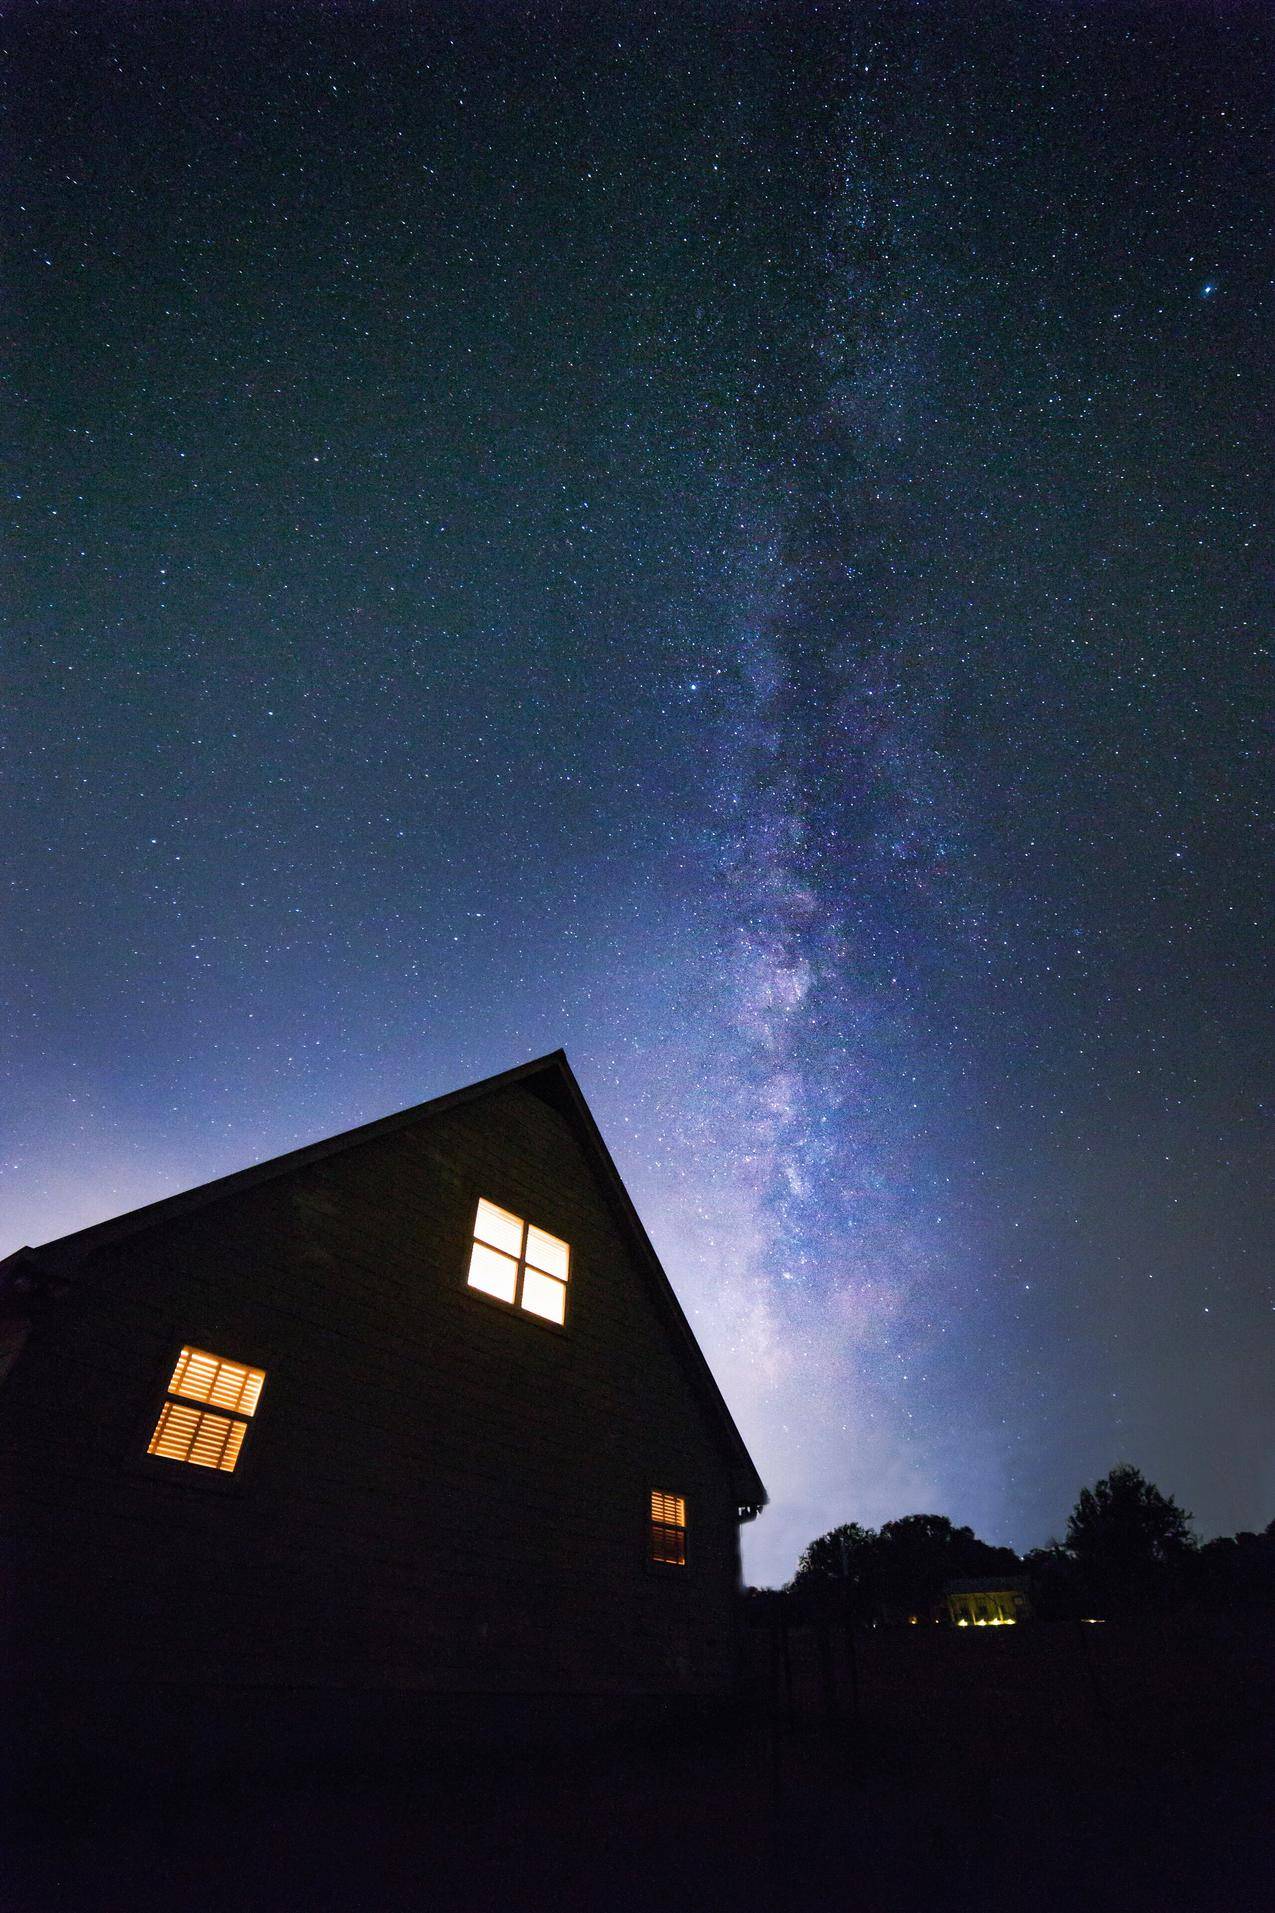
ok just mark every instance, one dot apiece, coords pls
pixel 730 537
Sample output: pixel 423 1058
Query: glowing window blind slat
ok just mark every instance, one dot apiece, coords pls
pixel 197 1436
pixel 668 1529
pixel 201 1377
pixel 211 1436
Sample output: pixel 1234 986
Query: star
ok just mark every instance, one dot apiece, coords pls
pixel 812 781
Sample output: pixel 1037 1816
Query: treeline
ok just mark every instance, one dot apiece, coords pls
pixel 1128 1548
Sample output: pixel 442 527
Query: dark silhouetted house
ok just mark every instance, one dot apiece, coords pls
pixel 998 1602
pixel 402 1430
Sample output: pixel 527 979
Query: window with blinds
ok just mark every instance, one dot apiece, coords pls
pixel 514 1261
pixel 668 1529
pixel 205 1416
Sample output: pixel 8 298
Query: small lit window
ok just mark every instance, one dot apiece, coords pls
pixel 206 1436
pixel 515 1262
pixel 668 1529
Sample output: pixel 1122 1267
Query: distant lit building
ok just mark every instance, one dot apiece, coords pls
pixel 996 1602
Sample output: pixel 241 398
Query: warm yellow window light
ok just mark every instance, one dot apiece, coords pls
pixel 668 1529
pixel 207 1437
pixel 207 1378
pixel 516 1262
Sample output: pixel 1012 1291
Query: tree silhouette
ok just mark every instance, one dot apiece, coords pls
pixel 1235 1571
pixel 1127 1538
pixel 919 1552
pixel 833 1556
pixel 1127 1546
pixel 842 1561
pixel 898 1571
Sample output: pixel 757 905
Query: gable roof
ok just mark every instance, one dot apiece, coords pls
pixel 550 1077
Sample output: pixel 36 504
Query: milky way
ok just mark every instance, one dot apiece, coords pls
pixel 731 540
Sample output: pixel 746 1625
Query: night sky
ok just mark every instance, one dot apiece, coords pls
pixel 731 538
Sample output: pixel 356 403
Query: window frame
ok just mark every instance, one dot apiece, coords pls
pixel 188 1474
pixel 477 1195
pixel 678 1569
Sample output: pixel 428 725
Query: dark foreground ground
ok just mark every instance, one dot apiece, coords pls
pixel 967 1775
pixel 723 1820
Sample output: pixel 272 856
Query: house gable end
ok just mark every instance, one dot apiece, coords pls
pixel 295 1202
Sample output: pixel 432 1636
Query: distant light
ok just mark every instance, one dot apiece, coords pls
pixel 1208 288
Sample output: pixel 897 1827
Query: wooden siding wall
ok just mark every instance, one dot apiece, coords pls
pixel 438 1494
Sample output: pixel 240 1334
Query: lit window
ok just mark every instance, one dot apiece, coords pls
pixel 209 1436
pixel 516 1262
pixel 668 1529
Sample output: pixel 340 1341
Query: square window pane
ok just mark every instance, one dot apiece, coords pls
pixel 541 1295
pixel 498 1228
pixel 544 1251
pixel 493 1273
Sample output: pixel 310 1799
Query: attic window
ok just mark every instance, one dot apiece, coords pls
pixel 668 1529
pixel 516 1262
pixel 206 1436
